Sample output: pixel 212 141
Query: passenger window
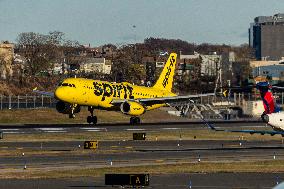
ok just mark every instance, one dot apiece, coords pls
pixel 64 84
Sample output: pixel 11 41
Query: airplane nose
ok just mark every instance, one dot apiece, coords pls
pixel 265 118
pixel 58 93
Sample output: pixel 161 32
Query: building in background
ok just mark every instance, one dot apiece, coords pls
pixel 209 64
pixel 266 36
pixel 273 69
pixel 6 59
pixel 99 65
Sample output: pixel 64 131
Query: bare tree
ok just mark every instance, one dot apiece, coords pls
pixel 42 51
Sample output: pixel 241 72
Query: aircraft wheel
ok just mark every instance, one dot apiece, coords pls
pixel 94 120
pixel 71 116
pixel 137 120
pixel 89 119
pixel 134 120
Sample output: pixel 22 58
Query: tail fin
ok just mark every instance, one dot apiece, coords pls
pixel 165 81
pixel 267 98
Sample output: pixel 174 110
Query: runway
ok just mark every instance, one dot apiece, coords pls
pixel 68 155
pixel 73 128
pixel 44 156
pixel 172 181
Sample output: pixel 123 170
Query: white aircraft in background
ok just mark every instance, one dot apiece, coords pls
pixel 272 114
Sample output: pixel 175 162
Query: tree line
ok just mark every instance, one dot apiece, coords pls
pixel 42 51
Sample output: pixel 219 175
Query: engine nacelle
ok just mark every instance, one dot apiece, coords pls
pixel 132 108
pixel 65 108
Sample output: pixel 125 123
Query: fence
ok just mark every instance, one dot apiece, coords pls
pixel 238 99
pixel 17 102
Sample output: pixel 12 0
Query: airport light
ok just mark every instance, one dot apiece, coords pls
pixel 190 185
pixel 277 180
pixel 274 156
pixel 110 160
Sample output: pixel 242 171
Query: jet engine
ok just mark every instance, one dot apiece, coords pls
pixel 132 108
pixel 265 118
pixel 66 108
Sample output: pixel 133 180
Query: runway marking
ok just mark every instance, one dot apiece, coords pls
pixel 94 130
pixel 51 129
pixel 170 128
pixel 13 132
pixel 9 129
pixel 135 129
pixel 90 128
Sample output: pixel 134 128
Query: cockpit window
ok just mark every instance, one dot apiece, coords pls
pixel 64 84
pixel 67 85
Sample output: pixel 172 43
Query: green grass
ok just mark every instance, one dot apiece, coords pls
pixel 185 134
pixel 202 167
pixel 51 116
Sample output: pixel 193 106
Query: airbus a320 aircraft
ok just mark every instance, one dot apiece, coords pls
pixel 130 99
pixel 272 114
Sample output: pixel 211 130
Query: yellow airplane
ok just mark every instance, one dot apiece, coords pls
pixel 130 99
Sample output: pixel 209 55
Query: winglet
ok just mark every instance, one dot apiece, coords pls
pixel 225 93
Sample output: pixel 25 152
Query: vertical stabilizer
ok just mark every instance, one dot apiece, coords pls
pixel 165 81
pixel 267 98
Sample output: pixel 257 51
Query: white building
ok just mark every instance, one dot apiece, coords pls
pixel 100 65
pixel 209 63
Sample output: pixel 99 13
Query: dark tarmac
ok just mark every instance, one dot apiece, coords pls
pixel 70 155
pixel 65 128
pixel 174 181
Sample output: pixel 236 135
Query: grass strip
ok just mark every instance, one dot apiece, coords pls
pixel 202 167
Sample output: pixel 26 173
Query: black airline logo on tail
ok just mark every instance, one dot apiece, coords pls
pixel 169 69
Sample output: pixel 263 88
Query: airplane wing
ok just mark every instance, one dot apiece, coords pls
pixel 272 133
pixel 162 100
pixel 43 92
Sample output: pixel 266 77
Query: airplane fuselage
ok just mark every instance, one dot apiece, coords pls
pixel 100 94
pixel 276 120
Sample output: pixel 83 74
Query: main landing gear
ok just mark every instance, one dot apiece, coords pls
pixel 92 118
pixel 71 115
pixel 135 120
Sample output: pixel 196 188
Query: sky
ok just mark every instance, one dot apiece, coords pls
pixel 131 21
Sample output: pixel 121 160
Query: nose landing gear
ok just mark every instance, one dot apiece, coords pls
pixel 135 120
pixel 92 119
